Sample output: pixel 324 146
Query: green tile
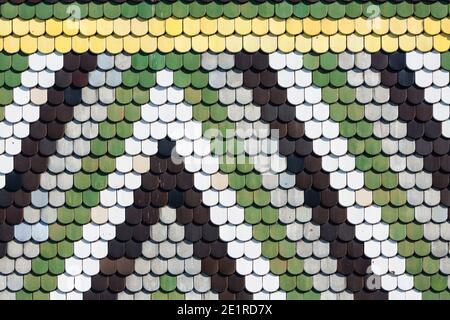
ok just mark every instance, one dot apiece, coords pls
pixel 48 250
pixel 336 10
pixel 266 10
pixel 422 282
pixel 278 266
pixel 31 282
pixel 74 232
pixel 196 9
pixel 283 9
pixel 163 10
pixel 213 10
pixel 295 266
pixel 405 248
pixel 301 10
pixel 328 61
pixel 180 9
pixel 287 282
pixel 397 231
pixel 277 232
pixel 39 266
pixel 261 232
pixel 252 215
pixel 48 283
pixel 65 215
pixel 249 10
pixel 231 10
pixel 168 282
pixel 65 249
pixel 414 265
pixel 56 265
pixel 304 282
pixel 439 282
pixel 111 10
pixel 269 249
pixel 318 10
pixel 287 249
pixel 57 232
pixel 43 10
pixel 269 215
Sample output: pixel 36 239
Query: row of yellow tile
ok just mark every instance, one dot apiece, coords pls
pixel 233 43
pixel 223 26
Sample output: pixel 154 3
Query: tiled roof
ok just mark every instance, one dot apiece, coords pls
pixel 235 150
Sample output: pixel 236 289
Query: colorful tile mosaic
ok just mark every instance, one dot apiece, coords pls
pixel 224 150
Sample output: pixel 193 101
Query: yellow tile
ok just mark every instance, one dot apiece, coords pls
pixel 200 43
pixel 389 42
pixel 346 26
pixel 174 26
pixel 397 25
pixel 380 25
pixel 294 26
pixel 277 26
pixel 63 44
pixel 286 43
pixel 260 26
pixel 80 44
pixel 329 26
pixel 363 26
pixel 37 27
pixel 303 43
pixel 156 27
pixel 11 44
pixel 372 43
pixel 182 43
pixel 166 44
pixel 415 25
pixel 88 27
pixel 355 43
pixel 20 27
pixel 131 44
pixel 53 27
pixel 424 42
pixel 225 26
pixel 445 26
pixel 216 43
pixel 234 43
pixel 28 44
pixel 311 26
pixel 70 27
pixel 105 27
pixel 242 26
pixel 191 26
pixel 114 44
pixel 122 27
pixel 1 44
pixel 251 43
pixel 97 44
pixel 320 43
pixel 432 26
pixel 338 42
pixel 269 43
pixel 46 44
pixel 407 42
pixel 208 26
pixel 148 44
pixel 139 27
pixel 441 42
pixel 5 27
